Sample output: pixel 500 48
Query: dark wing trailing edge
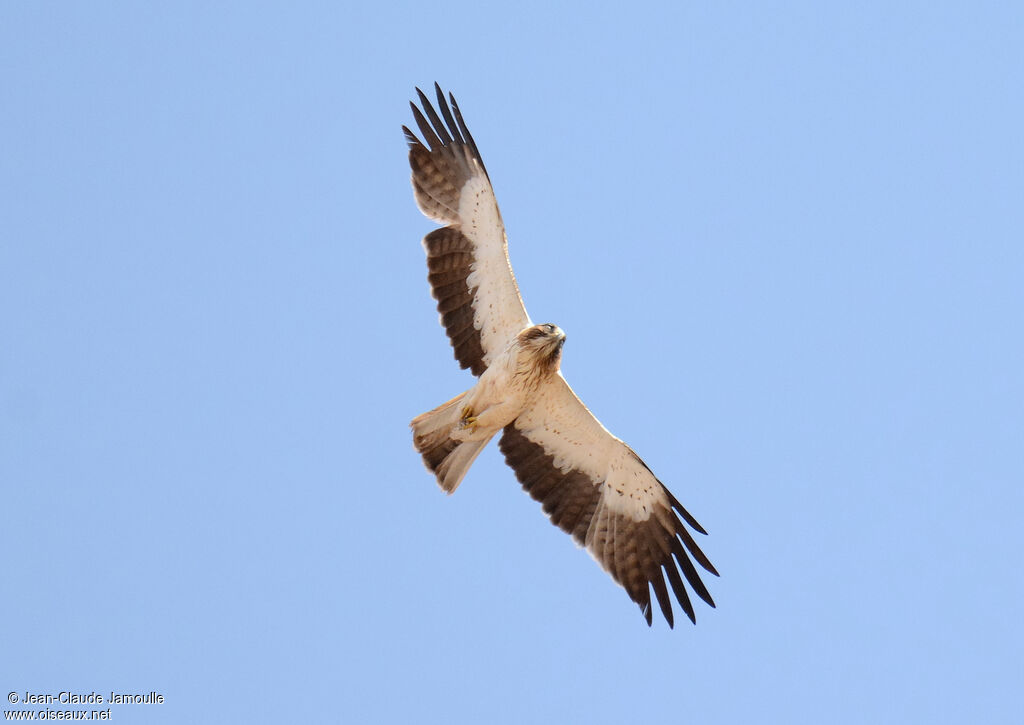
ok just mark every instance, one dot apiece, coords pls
pixel 469 271
pixel 594 487
pixel 450 262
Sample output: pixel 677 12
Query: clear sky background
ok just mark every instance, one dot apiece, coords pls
pixel 786 242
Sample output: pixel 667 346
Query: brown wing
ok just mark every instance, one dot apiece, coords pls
pixel 469 271
pixel 594 487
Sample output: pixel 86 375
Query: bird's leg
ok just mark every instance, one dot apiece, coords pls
pixel 479 423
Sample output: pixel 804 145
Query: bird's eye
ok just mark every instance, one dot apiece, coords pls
pixel 549 327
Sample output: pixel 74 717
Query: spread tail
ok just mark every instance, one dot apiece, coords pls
pixel 447 458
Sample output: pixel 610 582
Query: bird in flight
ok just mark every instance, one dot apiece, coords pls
pixel 591 484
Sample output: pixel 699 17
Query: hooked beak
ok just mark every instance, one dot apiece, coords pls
pixel 559 341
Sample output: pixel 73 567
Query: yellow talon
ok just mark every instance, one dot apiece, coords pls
pixel 468 419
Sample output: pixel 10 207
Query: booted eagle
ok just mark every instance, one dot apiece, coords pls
pixel 591 484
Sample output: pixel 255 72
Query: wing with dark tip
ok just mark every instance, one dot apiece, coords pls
pixel 594 487
pixel 469 271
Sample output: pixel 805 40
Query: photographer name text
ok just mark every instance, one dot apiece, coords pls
pixel 90 698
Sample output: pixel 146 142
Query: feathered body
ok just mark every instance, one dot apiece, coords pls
pixel 459 429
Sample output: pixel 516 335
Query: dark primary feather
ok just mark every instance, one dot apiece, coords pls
pixel 465 131
pixel 638 554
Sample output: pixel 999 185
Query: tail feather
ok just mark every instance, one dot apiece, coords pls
pixel 448 459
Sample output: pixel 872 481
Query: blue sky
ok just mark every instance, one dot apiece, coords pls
pixel 785 241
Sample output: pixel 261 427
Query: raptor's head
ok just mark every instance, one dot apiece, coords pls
pixel 543 343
